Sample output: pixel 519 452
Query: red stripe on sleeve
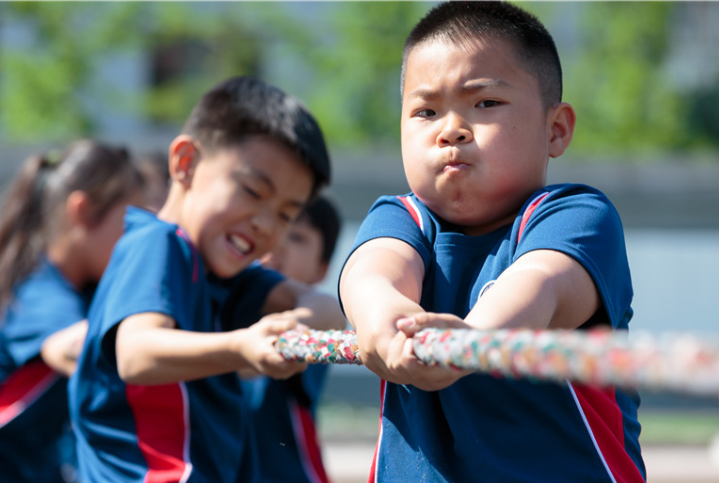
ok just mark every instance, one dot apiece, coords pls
pixel 163 432
pixel 23 387
pixel 412 210
pixel 528 213
pixel 605 421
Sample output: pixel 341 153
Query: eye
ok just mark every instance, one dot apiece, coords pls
pixel 487 103
pixel 424 113
pixel 288 217
pixel 295 237
pixel 252 192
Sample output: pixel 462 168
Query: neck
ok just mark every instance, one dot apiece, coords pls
pixel 172 209
pixel 63 254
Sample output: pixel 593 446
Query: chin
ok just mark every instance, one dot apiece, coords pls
pixel 225 271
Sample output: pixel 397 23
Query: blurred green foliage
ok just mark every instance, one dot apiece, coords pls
pixel 341 58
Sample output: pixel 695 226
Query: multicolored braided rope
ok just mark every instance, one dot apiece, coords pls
pixel 675 362
pixel 317 346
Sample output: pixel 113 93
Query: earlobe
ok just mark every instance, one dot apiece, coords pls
pixel 561 128
pixel 183 156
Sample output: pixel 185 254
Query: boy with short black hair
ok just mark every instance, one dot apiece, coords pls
pixel 482 242
pixel 155 396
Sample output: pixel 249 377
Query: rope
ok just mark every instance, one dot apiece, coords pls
pixel 317 346
pixel 676 362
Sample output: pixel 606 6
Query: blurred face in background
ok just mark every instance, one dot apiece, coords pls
pixel 298 255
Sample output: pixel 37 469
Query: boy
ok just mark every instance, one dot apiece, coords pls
pixel 482 243
pixel 283 412
pixel 155 396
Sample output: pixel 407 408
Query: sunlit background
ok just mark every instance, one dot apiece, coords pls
pixel 642 76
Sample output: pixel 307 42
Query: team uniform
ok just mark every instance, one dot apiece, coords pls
pixel 33 398
pixel 283 412
pixel 484 428
pixel 285 435
pixel 194 431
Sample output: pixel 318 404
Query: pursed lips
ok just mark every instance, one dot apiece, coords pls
pixel 453 166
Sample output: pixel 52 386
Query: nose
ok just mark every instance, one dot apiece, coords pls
pixel 455 130
pixel 263 223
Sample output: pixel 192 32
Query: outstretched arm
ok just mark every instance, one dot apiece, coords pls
pixel 323 311
pixel 543 289
pixel 380 287
pixel 150 350
pixel 62 349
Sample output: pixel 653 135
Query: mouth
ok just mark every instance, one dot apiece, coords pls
pixel 454 166
pixel 240 245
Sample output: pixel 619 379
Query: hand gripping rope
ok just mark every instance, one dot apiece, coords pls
pixel 675 362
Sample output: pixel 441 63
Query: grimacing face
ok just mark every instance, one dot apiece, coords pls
pixel 475 135
pixel 242 201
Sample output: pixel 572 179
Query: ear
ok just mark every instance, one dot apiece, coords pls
pixel 561 119
pixel 78 209
pixel 183 157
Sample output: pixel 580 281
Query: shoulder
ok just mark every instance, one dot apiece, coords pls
pixel 147 239
pixel 47 291
pixel 402 217
pixel 575 205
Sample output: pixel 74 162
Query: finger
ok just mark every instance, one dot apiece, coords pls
pixel 408 325
pixel 277 327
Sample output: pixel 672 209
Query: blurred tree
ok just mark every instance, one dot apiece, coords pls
pixel 341 58
pixel 618 83
pixel 355 65
pixel 45 78
pixel 49 84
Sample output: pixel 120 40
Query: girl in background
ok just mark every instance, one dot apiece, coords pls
pixel 58 224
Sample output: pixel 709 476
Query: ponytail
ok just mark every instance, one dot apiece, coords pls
pixel 29 217
pixel 21 223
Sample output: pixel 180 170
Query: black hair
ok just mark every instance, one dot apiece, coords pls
pixel 463 21
pixel 245 106
pixel 28 216
pixel 325 218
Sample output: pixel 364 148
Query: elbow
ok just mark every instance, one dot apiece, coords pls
pixel 133 368
pixel 130 373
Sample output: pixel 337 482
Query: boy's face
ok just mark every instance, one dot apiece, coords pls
pixel 242 200
pixel 475 136
pixel 299 255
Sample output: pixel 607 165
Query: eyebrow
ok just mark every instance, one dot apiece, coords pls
pixel 468 88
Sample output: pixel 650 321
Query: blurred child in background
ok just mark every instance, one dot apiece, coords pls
pixel 284 412
pixel 155 171
pixel 58 225
pixel 156 396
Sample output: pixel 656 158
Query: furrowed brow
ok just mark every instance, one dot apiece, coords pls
pixel 481 84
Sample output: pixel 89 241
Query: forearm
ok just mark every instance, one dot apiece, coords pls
pixel 542 290
pixel 62 349
pixel 323 310
pixel 160 355
pixel 374 312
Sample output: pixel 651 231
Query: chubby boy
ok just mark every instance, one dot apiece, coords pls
pixel 481 242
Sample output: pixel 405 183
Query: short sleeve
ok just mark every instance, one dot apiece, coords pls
pixel 45 303
pixel 389 217
pixel 581 222
pixel 246 296
pixel 150 271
